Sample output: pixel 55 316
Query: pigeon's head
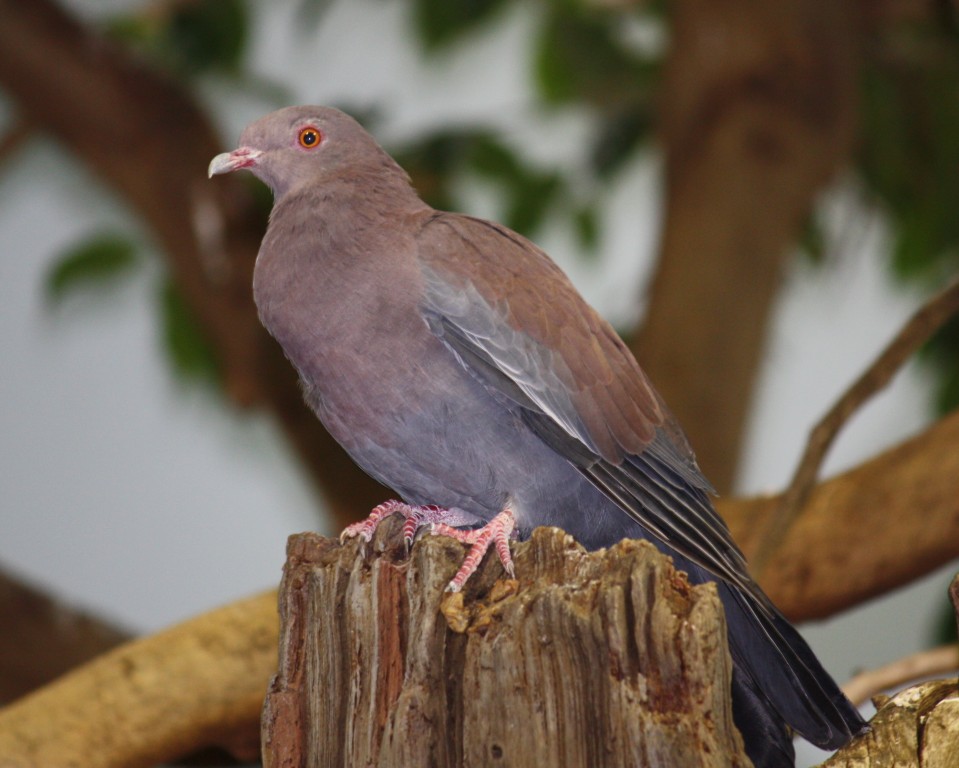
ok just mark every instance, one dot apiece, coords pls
pixel 296 145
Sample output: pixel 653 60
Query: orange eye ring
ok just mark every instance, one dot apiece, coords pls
pixel 309 137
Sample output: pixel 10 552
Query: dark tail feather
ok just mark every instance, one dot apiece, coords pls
pixel 783 670
pixel 768 741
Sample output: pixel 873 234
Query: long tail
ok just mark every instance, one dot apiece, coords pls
pixel 777 667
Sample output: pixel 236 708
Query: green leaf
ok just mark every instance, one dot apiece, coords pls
pixel 586 220
pixel 947 386
pixel 909 149
pixel 530 201
pixel 944 629
pixel 620 134
pixel 189 38
pixel 581 58
pixel 432 162
pixel 812 240
pixel 208 34
pixel 942 354
pixel 491 158
pixel 97 261
pixel 439 23
pixel 187 348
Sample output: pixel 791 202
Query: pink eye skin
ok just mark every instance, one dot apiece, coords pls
pixel 309 137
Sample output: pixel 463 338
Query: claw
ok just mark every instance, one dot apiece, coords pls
pixel 366 528
pixel 496 532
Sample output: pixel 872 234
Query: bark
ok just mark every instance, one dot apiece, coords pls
pixel 606 658
pixel 757 114
pixel 917 727
pixel 143 135
pixel 152 700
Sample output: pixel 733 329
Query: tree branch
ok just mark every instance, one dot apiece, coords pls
pixel 864 532
pixel 43 638
pixel 916 727
pixel 916 332
pixel 939 661
pixel 182 685
pixel 153 700
pixel 758 113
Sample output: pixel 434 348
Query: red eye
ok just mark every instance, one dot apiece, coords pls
pixel 309 137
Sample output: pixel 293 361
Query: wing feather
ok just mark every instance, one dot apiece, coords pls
pixel 515 321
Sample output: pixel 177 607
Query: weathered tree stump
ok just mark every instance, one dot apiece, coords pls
pixel 916 728
pixel 589 659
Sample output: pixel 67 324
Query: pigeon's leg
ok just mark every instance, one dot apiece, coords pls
pixel 416 517
pixel 497 531
pixel 441 520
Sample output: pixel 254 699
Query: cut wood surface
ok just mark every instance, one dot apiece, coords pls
pixel 590 659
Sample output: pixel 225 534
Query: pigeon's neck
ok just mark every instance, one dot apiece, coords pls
pixel 348 210
pixel 330 264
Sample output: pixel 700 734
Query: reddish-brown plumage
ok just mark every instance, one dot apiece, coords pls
pixel 457 364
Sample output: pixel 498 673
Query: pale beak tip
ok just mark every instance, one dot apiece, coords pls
pixel 222 163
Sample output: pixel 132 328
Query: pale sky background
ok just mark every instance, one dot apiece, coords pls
pixel 147 501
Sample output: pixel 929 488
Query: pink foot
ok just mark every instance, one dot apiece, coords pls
pixel 365 528
pixel 441 521
pixel 497 531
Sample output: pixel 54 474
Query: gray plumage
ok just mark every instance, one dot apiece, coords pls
pixel 456 363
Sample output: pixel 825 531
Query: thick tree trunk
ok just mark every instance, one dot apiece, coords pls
pixel 607 658
pixel 758 109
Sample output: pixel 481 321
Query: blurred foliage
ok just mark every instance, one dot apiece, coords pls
pixel 812 240
pixel 187 37
pixel 944 628
pixel 94 262
pixel 605 58
pixel 441 23
pixel 100 261
pixel 909 159
pixel 436 161
pixel 582 56
pixel 192 356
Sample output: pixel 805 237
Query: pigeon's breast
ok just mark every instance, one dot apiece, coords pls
pixel 390 391
pixel 383 385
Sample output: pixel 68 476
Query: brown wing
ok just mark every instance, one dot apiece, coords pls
pixel 504 296
pixel 516 322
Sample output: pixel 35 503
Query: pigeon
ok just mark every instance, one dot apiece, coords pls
pixel 456 363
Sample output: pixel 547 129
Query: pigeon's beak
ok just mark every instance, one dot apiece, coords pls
pixel 242 157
